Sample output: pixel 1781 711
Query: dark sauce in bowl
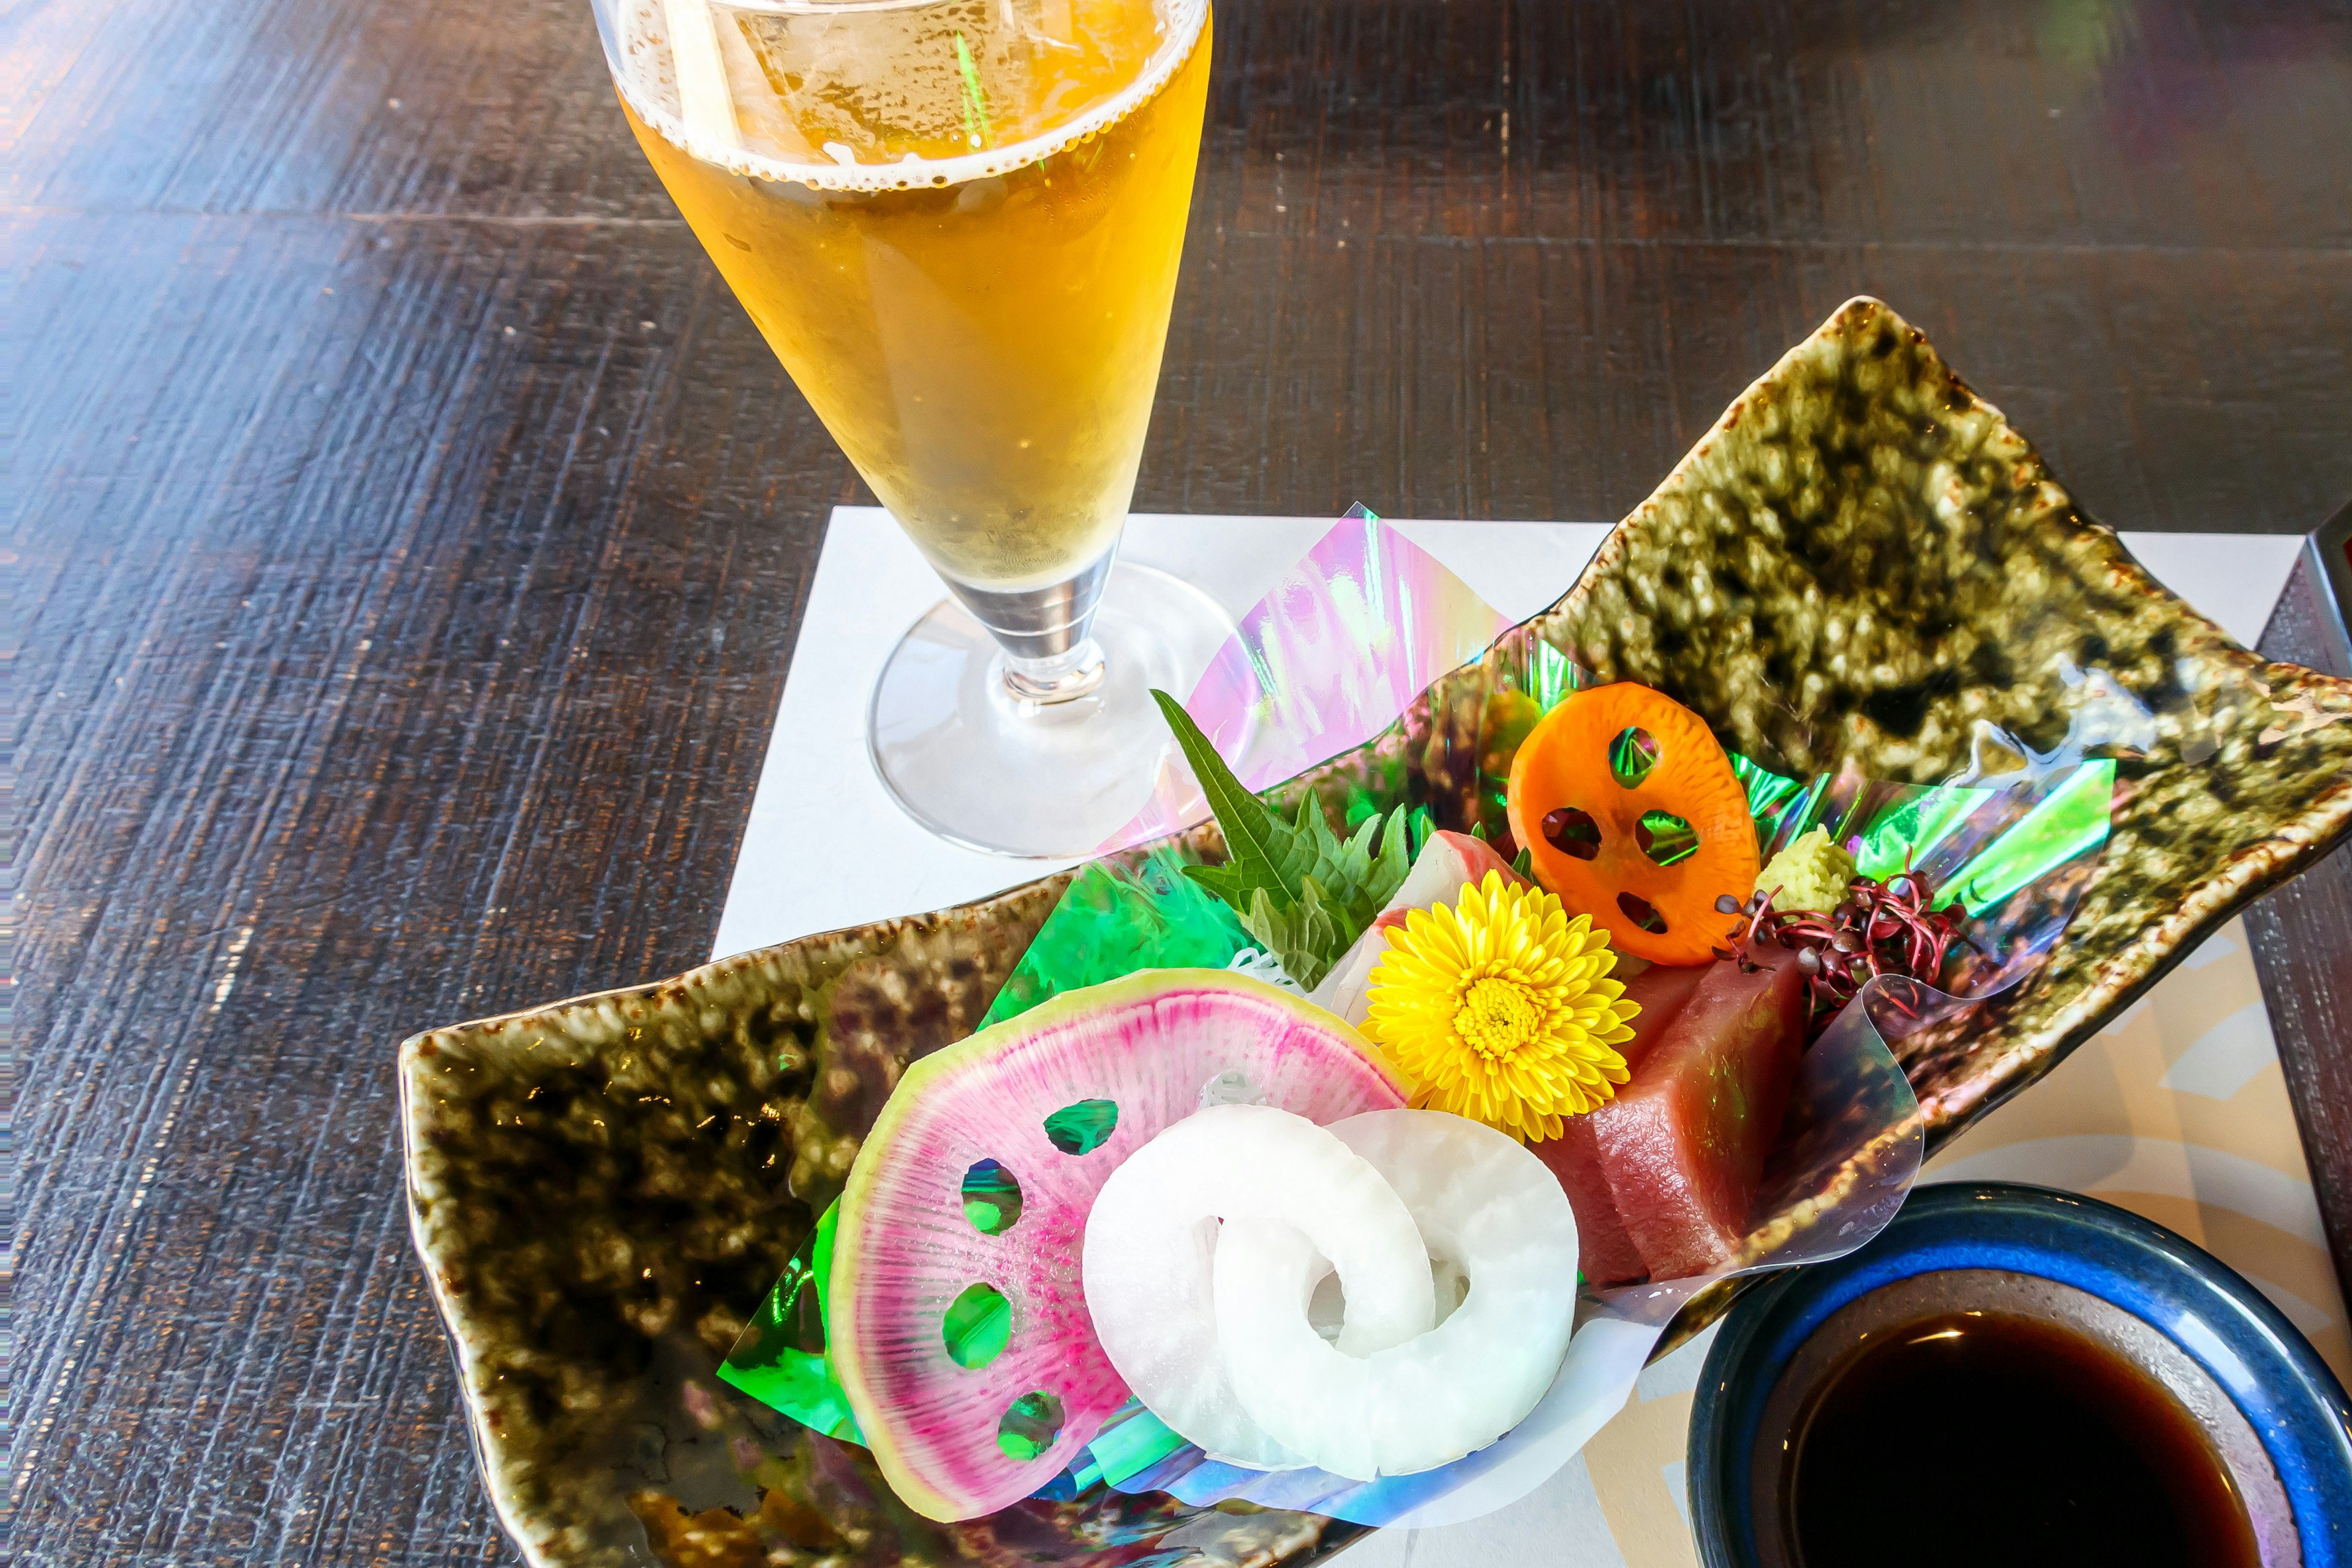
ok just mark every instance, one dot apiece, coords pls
pixel 1976 1439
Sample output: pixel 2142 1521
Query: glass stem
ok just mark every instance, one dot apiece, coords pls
pixel 1049 656
pixel 1063 678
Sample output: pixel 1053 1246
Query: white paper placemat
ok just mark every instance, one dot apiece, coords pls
pixel 872 861
pixel 2177 1112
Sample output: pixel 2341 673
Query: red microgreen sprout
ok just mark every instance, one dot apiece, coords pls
pixel 1879 929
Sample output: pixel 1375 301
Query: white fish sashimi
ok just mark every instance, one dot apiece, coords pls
pixel 1149 1257
pixel 1448 863
pixel 1481 1202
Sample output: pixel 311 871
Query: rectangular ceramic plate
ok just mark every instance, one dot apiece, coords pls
pixel 1862 564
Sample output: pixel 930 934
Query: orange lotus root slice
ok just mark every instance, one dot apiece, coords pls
pixel 1598 858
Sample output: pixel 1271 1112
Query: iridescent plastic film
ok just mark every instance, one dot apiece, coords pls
pixel 1324 661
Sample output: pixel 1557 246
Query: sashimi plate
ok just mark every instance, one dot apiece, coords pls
pixel 1860 564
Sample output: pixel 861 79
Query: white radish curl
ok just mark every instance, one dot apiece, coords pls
pixel 1483 1204
pixel 1151 1239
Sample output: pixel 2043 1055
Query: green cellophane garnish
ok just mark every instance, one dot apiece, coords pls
pixel 780 1357
pixel 1113 921
pixel 1131 1442
pixel 2069 821
pixel 1769 793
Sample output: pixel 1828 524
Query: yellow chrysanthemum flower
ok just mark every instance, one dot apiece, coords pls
pixel 1500 1009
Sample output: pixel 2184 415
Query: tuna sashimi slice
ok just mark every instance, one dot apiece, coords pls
pixel 1607 1253
pixel 1682 1145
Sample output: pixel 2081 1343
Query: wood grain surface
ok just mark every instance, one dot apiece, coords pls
pixel 411 531
pixel 2302 938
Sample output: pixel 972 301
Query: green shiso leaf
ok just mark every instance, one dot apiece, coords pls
pixel 1302 892
pixel 1251 830
pixel 1305 936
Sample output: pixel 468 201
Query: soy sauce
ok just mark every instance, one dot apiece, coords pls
pixel 1986 1438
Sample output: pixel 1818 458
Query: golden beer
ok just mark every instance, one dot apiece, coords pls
pixel 959 227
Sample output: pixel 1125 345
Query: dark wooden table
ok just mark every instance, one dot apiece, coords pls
pixel 413 531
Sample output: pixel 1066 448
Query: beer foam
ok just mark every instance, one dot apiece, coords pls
pixel 646 70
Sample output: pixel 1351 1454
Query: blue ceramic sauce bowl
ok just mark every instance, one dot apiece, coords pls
pixel 2266 1407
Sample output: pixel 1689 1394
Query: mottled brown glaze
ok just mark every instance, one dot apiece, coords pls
pixel 1865 564
pixel 1862 564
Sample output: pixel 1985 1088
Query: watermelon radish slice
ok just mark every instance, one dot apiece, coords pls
pixel 958 1326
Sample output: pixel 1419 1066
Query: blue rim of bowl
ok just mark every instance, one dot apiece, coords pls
pixel 2294 1401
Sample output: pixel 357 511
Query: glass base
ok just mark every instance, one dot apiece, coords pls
pixel 977 764
pixel 991 768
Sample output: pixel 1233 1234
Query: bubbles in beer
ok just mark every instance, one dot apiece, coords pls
pixel 844 97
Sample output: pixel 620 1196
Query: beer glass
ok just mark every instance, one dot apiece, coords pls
pixel 958 224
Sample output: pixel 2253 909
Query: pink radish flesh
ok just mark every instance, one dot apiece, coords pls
pixel 1057 1099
